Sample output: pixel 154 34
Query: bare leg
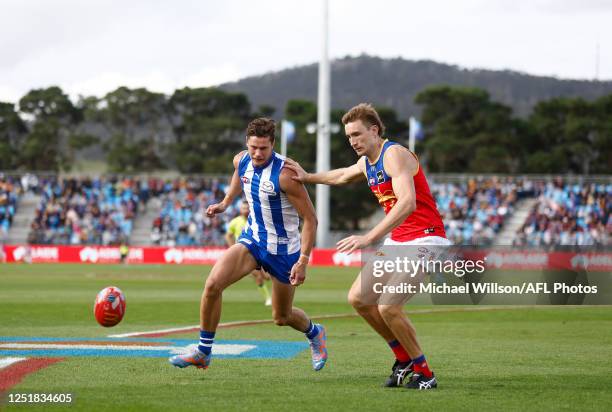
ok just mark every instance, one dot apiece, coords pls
pixel 392 312
pixel 235 264
pixel 283 311
pixel 401 327
pixel 369 312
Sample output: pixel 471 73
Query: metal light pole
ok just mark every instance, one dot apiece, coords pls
pixel 323 135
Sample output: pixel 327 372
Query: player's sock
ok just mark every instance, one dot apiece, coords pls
pixel 421 367
pixel 312 331
pixel 400 353
pixel 206 341
pixel 263 289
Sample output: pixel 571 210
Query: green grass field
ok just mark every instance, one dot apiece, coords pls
pixel 513 358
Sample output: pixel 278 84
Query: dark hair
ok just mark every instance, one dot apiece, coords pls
pixel 367 114
pixel 261 127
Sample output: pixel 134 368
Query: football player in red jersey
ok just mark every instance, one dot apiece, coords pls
pixel 395 177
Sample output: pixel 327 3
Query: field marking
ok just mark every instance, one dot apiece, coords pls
pixel 13 374
pixel 224 325
pixel 174 331
pixel 221 349
pixel 160 331
pixel 4 362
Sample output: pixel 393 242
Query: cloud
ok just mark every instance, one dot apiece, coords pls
pixel 95 46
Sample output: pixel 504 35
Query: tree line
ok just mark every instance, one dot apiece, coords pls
pixel 467 132
pixel 198 130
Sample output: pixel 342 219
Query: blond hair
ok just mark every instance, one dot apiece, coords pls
pixel 367 114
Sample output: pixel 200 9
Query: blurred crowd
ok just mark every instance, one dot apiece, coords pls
pixel 10 190
pixel 568 215
pixel 102 210
pixel 183 221
pixel 475 211
pixel 85 211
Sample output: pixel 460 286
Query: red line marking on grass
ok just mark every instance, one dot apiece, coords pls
pixel 13 374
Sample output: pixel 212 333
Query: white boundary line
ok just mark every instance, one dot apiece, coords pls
pixel 4 362
pixel 133 334
pixel 338 315
pixel 221 349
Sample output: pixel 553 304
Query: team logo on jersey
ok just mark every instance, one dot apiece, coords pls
pixel 245 179
pixel 268 187
pixel 380 176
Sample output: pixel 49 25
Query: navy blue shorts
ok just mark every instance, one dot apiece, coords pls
pixel 278 266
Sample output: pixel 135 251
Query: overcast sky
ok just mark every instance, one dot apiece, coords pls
pixel 91 47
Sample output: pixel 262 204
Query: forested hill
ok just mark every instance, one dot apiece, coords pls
pixel 395 82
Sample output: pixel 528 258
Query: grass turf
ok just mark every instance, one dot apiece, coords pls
pixel 545 358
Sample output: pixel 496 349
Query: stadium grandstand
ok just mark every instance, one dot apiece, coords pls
pixel 182 220
pixel 484 210
pixel 475 211
pixel 85 211
pixel 10 190
pixel 568 215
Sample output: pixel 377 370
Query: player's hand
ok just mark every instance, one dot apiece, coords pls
pixel 215 209
pixel 298 273
pixel 300 173
pixel 350 244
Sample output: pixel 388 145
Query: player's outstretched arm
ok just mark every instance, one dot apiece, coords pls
pixel 334 177
pixel 400 165
pixel 234 190
pixel 299 199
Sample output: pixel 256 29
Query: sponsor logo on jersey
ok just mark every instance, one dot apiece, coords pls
pixel 268 187
pixel 380 176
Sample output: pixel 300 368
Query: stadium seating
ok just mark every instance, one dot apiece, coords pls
pixel 102 210
pixel 568 215
pixel 85 211
pixel 475 210
pixel 183 221
pixel 10 190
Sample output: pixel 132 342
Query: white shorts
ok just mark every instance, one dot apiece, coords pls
pixel 426 240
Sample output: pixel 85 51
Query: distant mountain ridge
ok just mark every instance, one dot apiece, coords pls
pixel 395 83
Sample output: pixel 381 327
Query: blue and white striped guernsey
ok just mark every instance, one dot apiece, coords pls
pixel 273 222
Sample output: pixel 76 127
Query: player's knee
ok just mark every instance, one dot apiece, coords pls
pixel 355 300
pixel 281 319
pixel 389 311
pixel 212 289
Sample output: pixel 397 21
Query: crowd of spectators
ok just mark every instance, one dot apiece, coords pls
pixel 10 190
pixel 85 210
pixel 474 211
pixel 102 210
pixel 183 221
pixel 568 215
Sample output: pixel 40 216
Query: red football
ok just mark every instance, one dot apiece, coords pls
pixel 110 306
